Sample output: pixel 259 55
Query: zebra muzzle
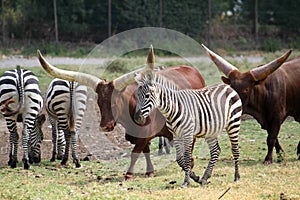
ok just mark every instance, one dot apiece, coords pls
pixel 139 119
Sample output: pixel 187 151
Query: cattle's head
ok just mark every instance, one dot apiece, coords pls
pixel 243 83
pixel 36 138
pixel 107 102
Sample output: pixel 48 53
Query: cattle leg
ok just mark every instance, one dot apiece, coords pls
pixel 140 144
pixel 298 150
pixel 279 151
pixel 149 168
pixel 271 141
pixel 160 145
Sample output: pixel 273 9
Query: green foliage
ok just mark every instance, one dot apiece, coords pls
pixel 271 45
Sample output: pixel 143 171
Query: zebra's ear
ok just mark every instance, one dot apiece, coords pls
pixel 138 78
pixel 149 76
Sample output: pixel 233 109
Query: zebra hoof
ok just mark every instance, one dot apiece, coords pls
pixel 237 177
pixel 26 166
pixel 77 164
pixel 184 185
pixel 203 182
pixel 52 159
pixel 64 162
pixel 13 164
pixel 59 157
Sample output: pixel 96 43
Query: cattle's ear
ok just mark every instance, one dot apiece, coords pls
pixel 225 80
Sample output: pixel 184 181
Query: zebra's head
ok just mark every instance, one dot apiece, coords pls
pixel 36 138
pixel 146 97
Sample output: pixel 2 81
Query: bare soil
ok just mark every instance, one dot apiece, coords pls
pixel 93 143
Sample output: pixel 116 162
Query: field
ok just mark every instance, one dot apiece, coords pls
pixel 103 179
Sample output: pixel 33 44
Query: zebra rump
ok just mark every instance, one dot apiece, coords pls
pixel 21 101
pixel 65 105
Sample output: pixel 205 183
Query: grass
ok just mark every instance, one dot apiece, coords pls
pixel 104 180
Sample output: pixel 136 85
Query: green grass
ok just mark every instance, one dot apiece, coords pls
pixel 102 180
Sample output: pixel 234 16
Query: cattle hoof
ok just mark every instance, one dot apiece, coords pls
pixel 280 157
pixel 149 174
pixel 128 176
pixel 267 162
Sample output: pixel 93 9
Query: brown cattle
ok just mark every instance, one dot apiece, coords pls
pixel 116 101
pixel 269 93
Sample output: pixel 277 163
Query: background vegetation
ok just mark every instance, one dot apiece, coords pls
pixel 231 25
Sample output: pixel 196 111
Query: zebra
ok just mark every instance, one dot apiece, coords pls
pixel 21 101
pixel 189 114
pixel 65 105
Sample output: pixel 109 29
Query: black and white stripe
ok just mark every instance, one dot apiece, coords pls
pixel 21 101
pixel 65 104
pixel 193 113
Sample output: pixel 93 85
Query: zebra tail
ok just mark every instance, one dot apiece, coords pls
pixel 20 87
pixel 72 108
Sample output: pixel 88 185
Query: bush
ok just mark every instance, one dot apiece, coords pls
pixel 271 45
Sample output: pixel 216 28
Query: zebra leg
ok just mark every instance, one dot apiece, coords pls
pixel 54 138
pixel 13 154
pixel 193 175
pixel 215 151
pixel 61 144
pixel 74 137
pixel 236 153
pixel 25 143
pixel 183 157
pixel 68 141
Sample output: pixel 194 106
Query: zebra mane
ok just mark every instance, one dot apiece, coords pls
pixel 149 78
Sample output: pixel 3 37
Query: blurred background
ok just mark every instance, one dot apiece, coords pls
pixel 55 26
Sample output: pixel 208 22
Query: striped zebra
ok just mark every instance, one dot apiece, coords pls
pixel 21 101
pixel 65 104
pixel 193 113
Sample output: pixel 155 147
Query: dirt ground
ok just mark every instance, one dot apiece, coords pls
pixel 93 143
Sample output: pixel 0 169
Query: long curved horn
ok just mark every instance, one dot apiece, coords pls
pixel 122 81
pixel 82 78
pixel 263 71
pixel 222 64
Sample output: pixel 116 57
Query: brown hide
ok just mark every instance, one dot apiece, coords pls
pixel 271 100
